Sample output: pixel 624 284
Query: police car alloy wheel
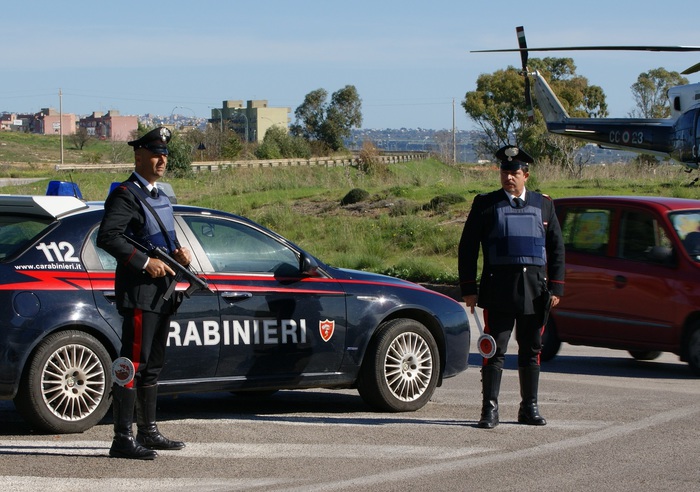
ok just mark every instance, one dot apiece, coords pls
pixel 65 387
pixel 400 371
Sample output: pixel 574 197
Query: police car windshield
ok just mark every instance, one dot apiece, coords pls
pixel 17 232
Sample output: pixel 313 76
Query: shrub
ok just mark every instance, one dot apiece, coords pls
pixel 179 157
pixel 354 196
pixel 268 150
pixel 440 203
pixel 403 207
pixel 232 147
pixel 369 161
pixel 279 144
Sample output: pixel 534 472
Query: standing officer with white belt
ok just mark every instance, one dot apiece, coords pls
pixel 522 278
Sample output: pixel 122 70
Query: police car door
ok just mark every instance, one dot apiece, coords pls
pixel 276 323
pixel 190 353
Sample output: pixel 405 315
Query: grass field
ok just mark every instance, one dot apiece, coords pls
pixel 410 224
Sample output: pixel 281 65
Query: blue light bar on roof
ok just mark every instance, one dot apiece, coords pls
pixel 63 188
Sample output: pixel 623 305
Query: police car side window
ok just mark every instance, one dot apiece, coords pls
pixel 587 230
pixel 238 248
pixel 96 258
pixel 17 232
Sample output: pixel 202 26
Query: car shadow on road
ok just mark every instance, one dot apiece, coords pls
pixel 291 406
pixel 622 366
pixel 618 367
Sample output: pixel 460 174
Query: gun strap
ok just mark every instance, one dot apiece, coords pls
pixel 140 195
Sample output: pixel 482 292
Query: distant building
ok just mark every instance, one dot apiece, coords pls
pixel 7 121
pixel 49 122
pixel 110 126
pixel 250 121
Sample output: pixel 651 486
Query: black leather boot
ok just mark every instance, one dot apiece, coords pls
pixel 491 386
pixel 123 444
pixel 529 413
pixel 148 434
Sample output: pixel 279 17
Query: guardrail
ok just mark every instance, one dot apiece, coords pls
pixel 220 165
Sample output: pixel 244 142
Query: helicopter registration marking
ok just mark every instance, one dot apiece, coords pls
pixel 626 137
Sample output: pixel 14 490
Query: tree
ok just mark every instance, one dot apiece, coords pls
pixel 498 106
pixel 180 151
pixel 328 122
pixel 232 146
pixel 580 100
pixel 119 152
pixel 278 144
pixel 650 93
pixel 80 138
pixel 310 115
pixel 444 145
pixel 179 156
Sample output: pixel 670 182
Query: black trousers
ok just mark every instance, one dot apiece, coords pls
pixel 528 334
pixel 144 335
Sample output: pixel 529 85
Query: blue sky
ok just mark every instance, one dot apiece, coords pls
pixel 408 59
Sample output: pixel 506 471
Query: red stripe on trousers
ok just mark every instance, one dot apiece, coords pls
pixel 137 323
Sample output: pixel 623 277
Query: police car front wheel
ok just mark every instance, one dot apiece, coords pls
pixel 401 368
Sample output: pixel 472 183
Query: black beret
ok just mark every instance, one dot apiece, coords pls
pixel 156 141
pixel 512 158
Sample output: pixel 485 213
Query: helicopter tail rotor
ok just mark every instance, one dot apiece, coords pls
pixel 522 42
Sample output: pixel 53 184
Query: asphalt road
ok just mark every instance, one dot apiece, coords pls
pixel 614 424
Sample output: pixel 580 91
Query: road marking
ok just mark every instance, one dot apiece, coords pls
pixel 32 484
pixel 249 450
pixel 490 459
pixel 440 459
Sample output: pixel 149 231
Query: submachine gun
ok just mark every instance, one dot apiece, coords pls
pixel 182 273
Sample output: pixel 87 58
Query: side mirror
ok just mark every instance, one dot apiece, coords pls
pixel 661 254
pixel 308 265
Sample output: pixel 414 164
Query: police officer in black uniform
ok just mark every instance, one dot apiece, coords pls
pixel 136 209
pixel 521 280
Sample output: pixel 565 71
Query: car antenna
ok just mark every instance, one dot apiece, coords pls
pixel 73 186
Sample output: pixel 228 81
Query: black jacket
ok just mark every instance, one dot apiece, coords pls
pixel 134 288
pixel 519 289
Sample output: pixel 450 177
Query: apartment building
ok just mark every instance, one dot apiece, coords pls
pixel 251 120
pixel 110 126
pixel 49 122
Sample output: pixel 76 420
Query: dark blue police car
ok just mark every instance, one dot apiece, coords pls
pixel 275 318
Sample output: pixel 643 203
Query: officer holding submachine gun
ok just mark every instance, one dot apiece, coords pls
pixel 137 214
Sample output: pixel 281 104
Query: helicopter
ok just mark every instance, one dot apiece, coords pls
pixel 676 138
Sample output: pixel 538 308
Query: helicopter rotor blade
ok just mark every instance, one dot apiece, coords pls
pixel 522 42
pixel 524 49
pixel 679 49
pixel 692 69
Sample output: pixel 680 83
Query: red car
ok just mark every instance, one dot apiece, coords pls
pixel 632 277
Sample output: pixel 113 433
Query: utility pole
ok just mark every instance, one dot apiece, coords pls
pixel 60 120
pixel 454 134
